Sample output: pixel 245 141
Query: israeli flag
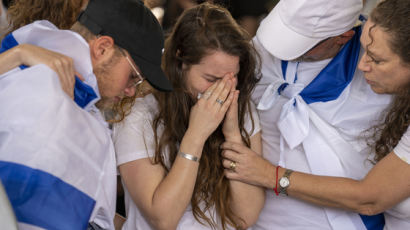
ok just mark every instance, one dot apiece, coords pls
pixel 55 157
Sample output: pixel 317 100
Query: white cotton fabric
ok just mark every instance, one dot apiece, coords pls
pixel 402 150
pixel 134 140
pixel 320 138
pixel 298 25
pixel 75 143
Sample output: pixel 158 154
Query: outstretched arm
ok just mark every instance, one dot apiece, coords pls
pixel 386 184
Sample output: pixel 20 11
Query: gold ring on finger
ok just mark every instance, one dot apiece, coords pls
pixel 232 165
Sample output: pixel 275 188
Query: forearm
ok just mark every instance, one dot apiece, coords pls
pixel 247 199
pixel 337 192
pixel 368 196
pixel 384 186
pixel 173 194
pixel 10 59
pixel 247 202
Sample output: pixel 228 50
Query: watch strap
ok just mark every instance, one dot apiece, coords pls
pixel 284 190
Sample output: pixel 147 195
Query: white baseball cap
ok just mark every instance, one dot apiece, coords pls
pixel 295 26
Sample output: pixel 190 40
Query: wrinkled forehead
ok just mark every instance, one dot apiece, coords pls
pixel 372 36
pixel 376 40
pixel 365 37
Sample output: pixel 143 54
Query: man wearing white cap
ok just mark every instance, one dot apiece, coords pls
pixel 314 106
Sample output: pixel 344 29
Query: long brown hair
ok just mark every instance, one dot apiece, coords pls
pixel 199 31
pixel 392 16
pixel 62 13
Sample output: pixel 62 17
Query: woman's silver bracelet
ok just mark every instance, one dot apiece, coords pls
pixel 188 156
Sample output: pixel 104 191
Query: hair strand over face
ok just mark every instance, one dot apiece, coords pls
pixel 198 32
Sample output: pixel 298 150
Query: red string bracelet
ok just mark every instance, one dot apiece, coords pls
pixel 276 184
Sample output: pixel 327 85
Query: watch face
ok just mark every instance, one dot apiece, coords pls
pixel 284 182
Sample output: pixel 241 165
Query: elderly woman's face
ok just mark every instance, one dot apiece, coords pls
pixel 384 71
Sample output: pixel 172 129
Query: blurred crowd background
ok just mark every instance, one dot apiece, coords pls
pixel 247 13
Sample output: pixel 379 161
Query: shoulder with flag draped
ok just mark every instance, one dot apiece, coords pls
pixel 57 160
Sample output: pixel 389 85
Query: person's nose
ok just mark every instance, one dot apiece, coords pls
pixel 130 91
pixel 364 63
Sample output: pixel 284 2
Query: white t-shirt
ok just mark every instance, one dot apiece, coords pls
pixel 398 217
pixel 134 139
pixel 402 150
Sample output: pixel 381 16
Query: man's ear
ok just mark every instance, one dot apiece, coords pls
pixel 101 48
pixel 345 37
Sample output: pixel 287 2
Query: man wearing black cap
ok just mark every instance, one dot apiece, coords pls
pixel 57 161
pixel 131 29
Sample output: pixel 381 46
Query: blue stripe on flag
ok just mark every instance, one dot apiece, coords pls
pixel 336 76
pixel 375 222
pixel 41 199
pixel 284 65
pixel 8 42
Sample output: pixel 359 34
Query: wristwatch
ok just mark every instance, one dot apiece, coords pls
pixel 284 182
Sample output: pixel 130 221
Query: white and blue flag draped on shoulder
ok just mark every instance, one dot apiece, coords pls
pixel 306 120
pixel 53 153
pixel 83 93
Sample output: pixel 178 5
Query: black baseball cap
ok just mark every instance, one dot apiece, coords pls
pixel 133 28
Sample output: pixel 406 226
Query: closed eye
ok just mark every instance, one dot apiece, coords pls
pixel 374 60
pixel 211 80
pixel 372 57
